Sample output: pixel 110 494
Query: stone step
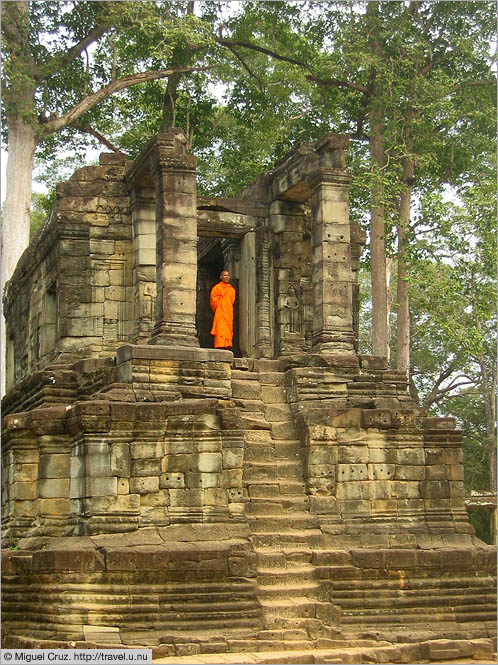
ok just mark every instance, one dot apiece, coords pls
pixel 284 559
pixel 249 405
pixel 245 375
pixel 282 525
pixel 245 364
pixel 273 394
pixel 246 389
pixel 270 505
pixel 267 471
pixel 254 421
pixel 289 607
pixel 283 430
pixel 282 577
pixel 431 615
pixel 414 599
pixel 278 413
pixel 260 453
pixel 461 584
pixel 287 489
pixel 272 378
pixel 298 540
pixel 290 448
pixel 283 635
pixel 266 646
pixel 284 591
pixel 266 365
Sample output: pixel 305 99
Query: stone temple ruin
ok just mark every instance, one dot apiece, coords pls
pixel 157 492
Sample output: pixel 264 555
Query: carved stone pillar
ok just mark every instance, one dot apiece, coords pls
pixel 176 240
pixel 264 293
pixel 144 244
pixel 231 255
pixel 332 275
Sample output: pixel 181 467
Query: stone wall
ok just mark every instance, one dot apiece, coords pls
pixel 104 467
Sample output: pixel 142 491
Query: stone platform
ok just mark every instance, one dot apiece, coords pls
pixel 157 493
pixel 281 509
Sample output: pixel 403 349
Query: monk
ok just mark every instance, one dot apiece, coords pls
pixel 222 298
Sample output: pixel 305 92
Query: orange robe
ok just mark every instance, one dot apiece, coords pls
pixel 221 299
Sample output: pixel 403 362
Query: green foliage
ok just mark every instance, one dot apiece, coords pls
pixel 41 205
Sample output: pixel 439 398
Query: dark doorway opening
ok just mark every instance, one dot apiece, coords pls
pixel 209 266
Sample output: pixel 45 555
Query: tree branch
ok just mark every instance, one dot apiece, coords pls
pixel 61 60
pixel 472 84
pixel 54 124
pixel 261 49
pixel 93 132
pixel 442 377
pixel 246 67
pixel 339 83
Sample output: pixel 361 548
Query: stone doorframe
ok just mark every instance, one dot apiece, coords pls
pixel 168 217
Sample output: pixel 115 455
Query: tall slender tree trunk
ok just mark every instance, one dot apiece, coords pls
pixel 488 392
pixel 15 225
pixel 380 329
pixel 22 126
pixel 403 310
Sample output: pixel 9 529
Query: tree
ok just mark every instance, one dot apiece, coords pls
pixel 454 343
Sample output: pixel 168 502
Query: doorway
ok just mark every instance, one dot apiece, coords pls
pixel 209 266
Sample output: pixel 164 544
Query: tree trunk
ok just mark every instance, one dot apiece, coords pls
pixel 19 101
pixel 488 391
pixel 403 310
pixel 15 227
pixel 380 330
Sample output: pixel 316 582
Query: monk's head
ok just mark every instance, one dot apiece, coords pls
pixel 225 276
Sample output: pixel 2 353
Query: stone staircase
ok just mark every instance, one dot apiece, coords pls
pixel 299 569
pixel 281 525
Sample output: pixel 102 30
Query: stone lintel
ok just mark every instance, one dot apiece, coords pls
pixel 236 205
pixel 225 224
pixel 157 352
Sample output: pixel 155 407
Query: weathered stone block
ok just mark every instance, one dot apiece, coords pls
pixel 53 506
pixel 103 505
pixel 437 472
pixel 160 498
pixel 406 489
pixel 54 465
pixel 353 454
pixel 144 485
pixel 120 459
pixel 215 497
pixel 347 472
pixel 434 489
pixel 322 455
pixel 349 490
pixel 206 462
pixel 50 488
pixel 405 472
pixel 186 497
pixel 381 471
pixel 172 479
pixel 101 486
pixel 202 480
pixel 145 467
pixel 233 459
pixel 26 472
